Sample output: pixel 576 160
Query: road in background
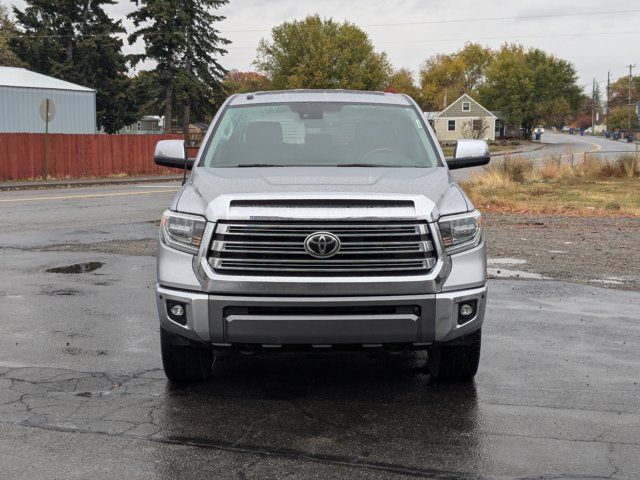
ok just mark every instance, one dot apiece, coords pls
pixel 564 146
pixel 82 393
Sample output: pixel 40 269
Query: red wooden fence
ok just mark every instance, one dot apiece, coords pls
pixel 78 156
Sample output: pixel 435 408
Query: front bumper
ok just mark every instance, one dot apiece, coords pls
pixel 224 320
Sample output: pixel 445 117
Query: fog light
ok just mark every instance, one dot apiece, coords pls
pixel 466 310
pixel 177 310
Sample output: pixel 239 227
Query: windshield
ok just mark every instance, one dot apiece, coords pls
pixel 320 134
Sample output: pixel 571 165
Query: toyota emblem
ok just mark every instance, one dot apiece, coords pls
pixel 322 244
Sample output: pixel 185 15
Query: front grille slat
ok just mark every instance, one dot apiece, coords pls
pixel 277 248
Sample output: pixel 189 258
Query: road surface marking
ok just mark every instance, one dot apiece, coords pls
pixel 88 195
pixel 597 145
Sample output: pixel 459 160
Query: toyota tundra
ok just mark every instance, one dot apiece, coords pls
pixel 320 220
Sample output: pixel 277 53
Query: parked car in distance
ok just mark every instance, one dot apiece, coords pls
pixel 321 220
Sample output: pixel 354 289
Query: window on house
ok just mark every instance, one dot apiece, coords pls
pixel 451 126
pixel 466 106
pixel 138 125
pixel 477 125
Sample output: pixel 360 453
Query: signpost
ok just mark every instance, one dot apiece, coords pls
pixel 47 113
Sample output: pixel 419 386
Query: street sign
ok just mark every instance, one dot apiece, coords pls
pixel 47 113
pixel 47 110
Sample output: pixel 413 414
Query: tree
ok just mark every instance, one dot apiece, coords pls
pixel 555 112
pixel 618 119
pixel 401 81
pixel 475 129
pixel 316 53
pixel 148 90
pixel 444 77
pixel 8 31
pixel 78 42
pixel 182 38
pixel 243 82
pixel 523 84
pixel 619 93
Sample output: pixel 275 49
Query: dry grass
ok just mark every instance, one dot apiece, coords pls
pixel 590 186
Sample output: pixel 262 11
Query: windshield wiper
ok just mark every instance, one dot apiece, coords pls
pixel 360 165
pixel 259 165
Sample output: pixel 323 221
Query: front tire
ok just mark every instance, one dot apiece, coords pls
pixel 184 362
pixel 456 363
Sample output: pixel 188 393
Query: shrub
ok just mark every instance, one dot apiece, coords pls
pixel 552 168
pixel 628 164
pixel 513 169
pixel 591 166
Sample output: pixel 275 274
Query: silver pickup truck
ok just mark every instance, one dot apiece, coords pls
pixel 320 220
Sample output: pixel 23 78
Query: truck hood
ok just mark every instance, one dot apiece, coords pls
pixel 238 192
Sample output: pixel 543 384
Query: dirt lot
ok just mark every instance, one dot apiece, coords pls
pixel 593 250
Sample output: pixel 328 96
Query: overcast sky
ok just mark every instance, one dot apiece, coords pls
pixel 583 32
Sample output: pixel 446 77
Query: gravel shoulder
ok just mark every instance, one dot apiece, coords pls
pixel 592 250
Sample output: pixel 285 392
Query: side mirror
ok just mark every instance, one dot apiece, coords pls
pixel 469 153
pixel 171 153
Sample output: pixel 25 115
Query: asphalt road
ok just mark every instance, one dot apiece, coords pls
pixel 82 394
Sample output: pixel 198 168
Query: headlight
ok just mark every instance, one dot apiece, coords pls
pixel 182 231
pixel 461 232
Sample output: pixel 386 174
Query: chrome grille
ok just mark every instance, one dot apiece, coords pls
pixel 277 248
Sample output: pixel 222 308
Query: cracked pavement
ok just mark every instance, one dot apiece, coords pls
pixel 82 393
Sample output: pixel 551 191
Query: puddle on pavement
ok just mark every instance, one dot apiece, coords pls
pixel 63 292
pixel 76 268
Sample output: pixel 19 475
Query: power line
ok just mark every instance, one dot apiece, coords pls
pixel 481 39
pixel 400 42
pixel 429 22
pixel 575 34
pixel 471 20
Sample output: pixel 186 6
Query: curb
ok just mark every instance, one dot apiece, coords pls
pixel 512 152
pixel 84 182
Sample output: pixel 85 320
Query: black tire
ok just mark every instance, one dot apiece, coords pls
pixel 456 363
pixel 184 362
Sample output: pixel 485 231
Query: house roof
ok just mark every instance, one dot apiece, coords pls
pixel 21 77
pixel 464 97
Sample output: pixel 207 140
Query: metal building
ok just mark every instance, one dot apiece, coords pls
pixel 22 92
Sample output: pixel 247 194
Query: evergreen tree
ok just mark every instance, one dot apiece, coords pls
pixel 7 32
pixel 75 40
pixel 180 35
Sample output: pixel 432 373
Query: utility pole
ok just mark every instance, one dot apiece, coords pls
pixel 593 108
pixel 608 89
pixel 631 67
